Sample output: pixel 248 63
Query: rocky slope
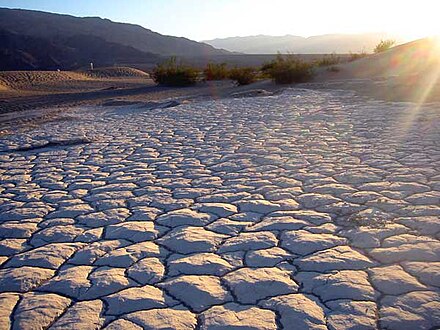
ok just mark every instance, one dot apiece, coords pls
pixel 33 40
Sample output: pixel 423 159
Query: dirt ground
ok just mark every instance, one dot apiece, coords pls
pixel 33 103
pixel 407 73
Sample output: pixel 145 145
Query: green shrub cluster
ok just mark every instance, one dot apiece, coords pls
pixel 328 60
pixel 287 69
pixel 357 56
pixel 214 71
pixel 333 68
pixel 243 76
pixel 174 73
pixel 384 45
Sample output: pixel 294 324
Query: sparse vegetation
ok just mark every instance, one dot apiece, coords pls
pixel 266 68
pixel 384 45
pixel 216 71
pixel 328 60
pixel 243 76
pixel 333 69
pixel 357 56
pixel 174 73
pixel 287 69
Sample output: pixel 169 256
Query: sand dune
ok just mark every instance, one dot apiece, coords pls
pixel 53 90
pixel 409 72
pixel 116 72
pixel 414 58
pixel 25 80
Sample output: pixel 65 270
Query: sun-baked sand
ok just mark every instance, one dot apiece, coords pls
pixel 409 72
pixel 301 210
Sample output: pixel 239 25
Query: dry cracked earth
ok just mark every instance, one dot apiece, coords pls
pixel 305 210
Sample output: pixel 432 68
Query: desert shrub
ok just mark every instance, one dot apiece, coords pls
pixel 214 71
pixel 357 56
pixel 267 67
pixel 287 69
pixel 174 73
pixel 328 60
pixel 333 68
pixel 243 76
pixel 384 45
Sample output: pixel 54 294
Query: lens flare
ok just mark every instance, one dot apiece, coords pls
pixel 426 62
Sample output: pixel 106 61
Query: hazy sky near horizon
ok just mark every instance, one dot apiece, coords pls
pixel 209 19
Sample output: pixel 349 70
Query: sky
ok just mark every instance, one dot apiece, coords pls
pixel 209 19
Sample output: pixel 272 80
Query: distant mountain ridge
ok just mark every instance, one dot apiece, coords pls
pixel 321 44
pixel 39 40
pixel 48 25
pixel 21 52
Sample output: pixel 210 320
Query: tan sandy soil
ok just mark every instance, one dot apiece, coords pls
pixel 18 83
pixel 408 72
pixel 116 72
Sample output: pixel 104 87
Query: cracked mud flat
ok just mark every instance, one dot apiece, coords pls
pixel 305 210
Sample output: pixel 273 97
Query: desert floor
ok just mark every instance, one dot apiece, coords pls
pixel 29 99
pixel 302 209
pixel 32 102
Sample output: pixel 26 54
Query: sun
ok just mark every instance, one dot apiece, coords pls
pixel 436 40
pixel 413 22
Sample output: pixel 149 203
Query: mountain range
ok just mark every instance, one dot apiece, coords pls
pixel 321 44
pixel 23 52
pixel 41 40
pixel 35 40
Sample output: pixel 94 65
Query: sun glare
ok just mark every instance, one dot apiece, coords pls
pixel 436 40
pixel 425 83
